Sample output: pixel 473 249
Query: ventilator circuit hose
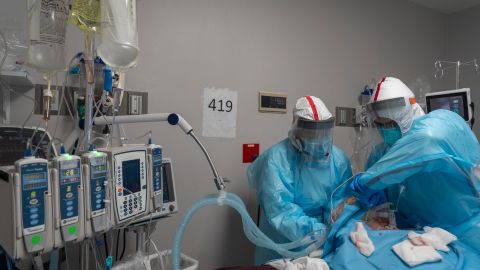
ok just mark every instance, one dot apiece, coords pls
pixel 304 246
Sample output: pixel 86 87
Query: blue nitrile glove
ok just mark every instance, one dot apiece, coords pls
pixel 366 196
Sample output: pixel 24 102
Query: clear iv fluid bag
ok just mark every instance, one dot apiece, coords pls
pixel 119 43
pixel 47 28
pixel 86 15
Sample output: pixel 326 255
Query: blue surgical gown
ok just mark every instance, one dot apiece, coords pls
pixel 294 195
pixel 430 170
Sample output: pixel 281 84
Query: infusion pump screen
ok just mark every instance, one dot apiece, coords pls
pixel 451 103
pixel 131 176
pixel 34 176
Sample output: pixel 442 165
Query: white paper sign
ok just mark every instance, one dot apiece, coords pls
pixel 219 113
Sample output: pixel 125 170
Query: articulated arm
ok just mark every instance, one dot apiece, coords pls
pixel 172 119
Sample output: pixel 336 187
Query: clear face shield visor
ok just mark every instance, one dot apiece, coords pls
pixel 391 108
pixel 314 139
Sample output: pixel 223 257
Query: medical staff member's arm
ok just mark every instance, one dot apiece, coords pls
pixel 401 162
pixel 277 200
pixel 341 193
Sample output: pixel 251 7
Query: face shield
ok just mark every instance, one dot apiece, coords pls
pixel 402 110
pixel 314 139
pixel 384 110
pixel 390 114
pixel 380 131
pixel 392 117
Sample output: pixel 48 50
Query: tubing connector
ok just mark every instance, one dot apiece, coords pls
pixel 222 194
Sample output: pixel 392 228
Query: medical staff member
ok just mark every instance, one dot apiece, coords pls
pixel 426 172
pixel 295 178
pixel 390 88
pixel 393 109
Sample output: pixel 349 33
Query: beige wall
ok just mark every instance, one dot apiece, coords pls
pixel 325 48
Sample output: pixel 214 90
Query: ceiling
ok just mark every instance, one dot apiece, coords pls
pixel 447 6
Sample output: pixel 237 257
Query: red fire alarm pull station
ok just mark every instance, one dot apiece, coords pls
pixel 250 152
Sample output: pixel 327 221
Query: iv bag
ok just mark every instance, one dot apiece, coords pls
pixel 119 43
pixel 86 15
pixel 47 27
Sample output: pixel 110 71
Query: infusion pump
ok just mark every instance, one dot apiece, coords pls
pixel 45 205
pixel 155 179
pixel 169 195
pixel 68 200
pixel 26 200
pixel 95 174
pixel 129 190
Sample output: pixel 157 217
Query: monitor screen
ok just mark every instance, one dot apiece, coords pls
pixel 101 167
pixel 455 102
pixel 131 176
pixel 69 172
pixel 34 176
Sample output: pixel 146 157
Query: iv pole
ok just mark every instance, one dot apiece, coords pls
pixel 441 66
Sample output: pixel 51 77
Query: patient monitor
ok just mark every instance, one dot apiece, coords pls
pixel 457 101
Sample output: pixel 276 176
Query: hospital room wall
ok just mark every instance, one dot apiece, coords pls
pixel 463 44
pixel 325 48
pixel 330 49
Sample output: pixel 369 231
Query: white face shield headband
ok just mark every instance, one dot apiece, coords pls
pixel 401 110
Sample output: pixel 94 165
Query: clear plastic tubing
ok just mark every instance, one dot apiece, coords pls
pixel 304 246
pixel 89 45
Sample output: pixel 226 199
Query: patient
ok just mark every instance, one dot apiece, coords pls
pixel 381 217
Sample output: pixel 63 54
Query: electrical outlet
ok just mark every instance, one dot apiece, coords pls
pixel 345 117
pixel 134 104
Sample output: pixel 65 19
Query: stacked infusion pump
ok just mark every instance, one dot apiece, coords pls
pixel 47 204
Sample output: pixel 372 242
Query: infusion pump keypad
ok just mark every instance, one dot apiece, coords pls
pixel 131 184
pixel 132 205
